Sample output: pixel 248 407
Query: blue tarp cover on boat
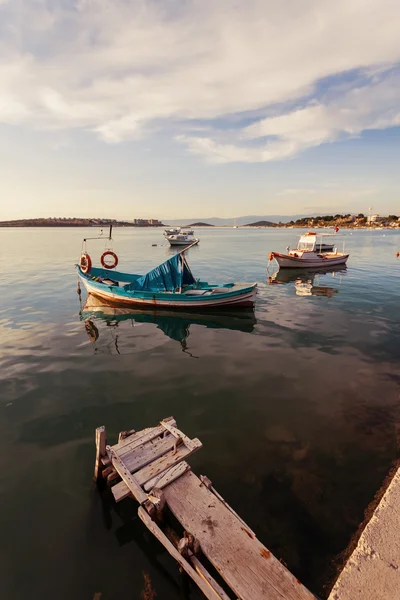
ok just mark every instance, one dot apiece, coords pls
pixel 169 276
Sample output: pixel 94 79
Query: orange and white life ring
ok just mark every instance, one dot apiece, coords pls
pixel 108 265
pixel 85 263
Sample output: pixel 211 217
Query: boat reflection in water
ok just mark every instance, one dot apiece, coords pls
pixel 174 325
pixel 307 283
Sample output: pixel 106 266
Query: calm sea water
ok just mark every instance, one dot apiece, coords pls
pixel 297 406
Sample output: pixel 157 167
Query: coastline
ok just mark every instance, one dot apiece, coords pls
pixel 131 225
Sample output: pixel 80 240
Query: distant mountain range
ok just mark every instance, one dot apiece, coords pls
pixel 239 220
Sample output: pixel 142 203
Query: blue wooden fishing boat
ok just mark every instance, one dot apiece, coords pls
pixel 170 285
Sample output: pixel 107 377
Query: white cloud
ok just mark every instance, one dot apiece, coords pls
pixel 122 69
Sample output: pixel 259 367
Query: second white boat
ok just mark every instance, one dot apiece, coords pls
pixel 306 255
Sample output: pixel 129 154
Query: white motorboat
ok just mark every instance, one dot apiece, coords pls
pixel 178 231
pixel 187 230
pixel 181 239
pixel 172 231
pixel 308 254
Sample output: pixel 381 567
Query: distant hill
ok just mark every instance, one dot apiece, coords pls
pixel 200 224
pixel 65 222
pixel 261 224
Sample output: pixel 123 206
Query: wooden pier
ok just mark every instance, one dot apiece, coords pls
pixel 150 466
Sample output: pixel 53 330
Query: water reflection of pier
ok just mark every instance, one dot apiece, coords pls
pixel 175 325
pixel 307 282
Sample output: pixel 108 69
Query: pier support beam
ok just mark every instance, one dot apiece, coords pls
pixel 100 451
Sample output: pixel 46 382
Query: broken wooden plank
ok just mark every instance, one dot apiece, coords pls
pixel 177 433
pixel 147 453
pixel 160 535
pixel 171 458
pixel 124 434
pixel 135 437
pixel 134 442
pixel 127 478
pixel 105 461
pixel 204 574
pixel 100 450
pixel 108 470
pixel 167 476
pixel 247 566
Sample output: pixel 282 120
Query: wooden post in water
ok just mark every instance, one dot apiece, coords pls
pixel 100 450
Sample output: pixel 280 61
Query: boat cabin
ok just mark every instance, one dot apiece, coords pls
pixel 312 242
pixel 307 242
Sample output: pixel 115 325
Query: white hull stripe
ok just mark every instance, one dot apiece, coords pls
pixel 247 298
pixel 293 262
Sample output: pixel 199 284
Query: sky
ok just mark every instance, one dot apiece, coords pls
pixel 198 108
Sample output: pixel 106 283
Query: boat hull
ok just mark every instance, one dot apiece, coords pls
pixel 242 295
pixel 285 261
pixel 181 242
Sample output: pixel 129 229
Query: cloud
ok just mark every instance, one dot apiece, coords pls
pixel 370 107
pixel 301 72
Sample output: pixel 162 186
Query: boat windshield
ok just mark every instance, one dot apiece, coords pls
pixel 306 246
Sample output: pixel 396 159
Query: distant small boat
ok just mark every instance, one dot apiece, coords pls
pixel 170 285
pixel 308 254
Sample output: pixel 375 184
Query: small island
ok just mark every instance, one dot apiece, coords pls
pixel 200 224
pixel 261 224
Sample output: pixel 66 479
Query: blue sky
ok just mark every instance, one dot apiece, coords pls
pixel 128 108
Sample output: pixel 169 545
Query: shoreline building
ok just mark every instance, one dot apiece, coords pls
pixel 372 218
pixel 147 222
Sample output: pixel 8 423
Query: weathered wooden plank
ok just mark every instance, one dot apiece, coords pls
pixel 171 458
pixel 204 574
pixel 100 450
pixel 167 476
pixel 159 534
pixel 107 471
pixel 248 567
pixel 209 485
pixel 135 437
pixel 177 433
pixel 127 478
pixel 147 453
pixel 124 434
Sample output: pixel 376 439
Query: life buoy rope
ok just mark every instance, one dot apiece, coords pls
pixel 106 265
